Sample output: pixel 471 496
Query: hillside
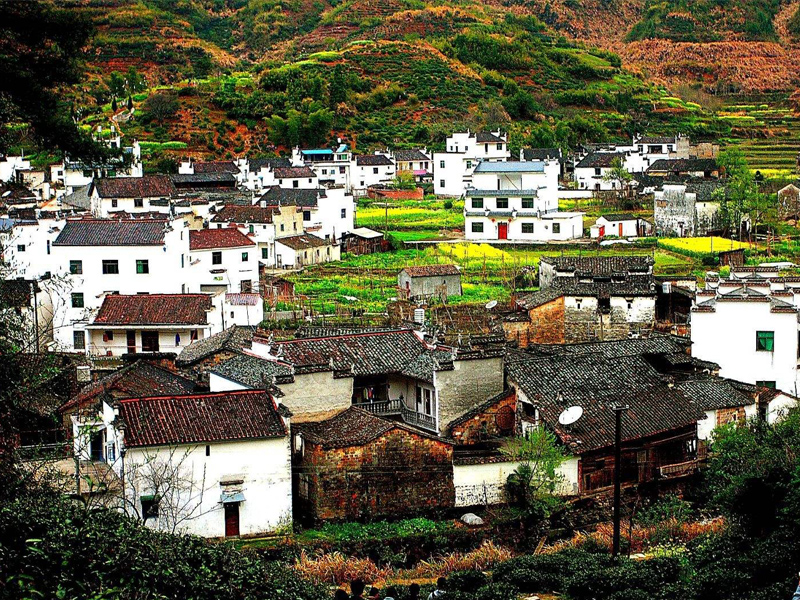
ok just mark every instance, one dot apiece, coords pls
pixel 405 71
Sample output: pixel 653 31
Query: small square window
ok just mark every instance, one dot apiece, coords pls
pixel 79 340
pixel 245 256
pixel 477 227
pixel 76 267
pixel 142 267
pixel 110 267
pixel 477 203
pixel 556 227
pixel 114 203
pixel 441 164
pixel 499 146
pixel 344 213
pixel 216 258
pixel 766 384
pixel 138 202
pixel 527 203
pixel 502 203
pixel 20 247
pixel 375 170
pixel 527 228
pixel 77 299
pixel 765 341
pixel 108 336
pixel 265 253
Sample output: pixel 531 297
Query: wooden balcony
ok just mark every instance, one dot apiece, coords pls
pixel 396 408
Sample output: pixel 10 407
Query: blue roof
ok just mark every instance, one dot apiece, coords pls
pixel 342 148
pixel 534 166
pixel 317 151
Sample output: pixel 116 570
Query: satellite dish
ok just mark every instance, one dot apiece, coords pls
pixel 570 415
pixel 491 304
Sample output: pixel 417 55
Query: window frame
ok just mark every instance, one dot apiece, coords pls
pixel 142 266
pixel 76 267
pixel 79 297
pixel 107 265
pixel 765 341
pixel 216 257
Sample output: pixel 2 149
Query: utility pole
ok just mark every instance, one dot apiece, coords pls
pixel 34 290
pixel 618 410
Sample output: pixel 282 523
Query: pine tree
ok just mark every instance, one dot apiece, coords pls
pixel 114 105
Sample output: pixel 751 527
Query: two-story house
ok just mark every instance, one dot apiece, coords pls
pixel 371 169
pixel 326 212
pixel 453 168
pixel 331 165
pixel 130 194
pixel 223 260
pixel 418 162
pixel 518 201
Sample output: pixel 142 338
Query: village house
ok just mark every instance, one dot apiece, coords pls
pixel 358 465
pixel 417 162
pixel 391 373
pixel 680 212
pixel 463 151
pixel 263 224
pixel 26 247
pixel 593 171
pixel 748 325
pixel 217 181
pixel 429 282
pixel 257 171
pixel 368 170
pixel 130 194
pixel 331 165
pixel 213 464
pixel 517 201
pixel 620 225
pixel 305 249
pixel 293 178
pixel 223 260
pixel 96 257
pixel 694 167
pixel 584 299
pixel 327 212
pixel 543 155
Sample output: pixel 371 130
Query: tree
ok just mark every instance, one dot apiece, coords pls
pixel 161 106
pixel 130 103
pixel 114 105
pixel 536 478
pixel 40 53
pixel 740 200
pixel 338 87
pixel 404 180
pixel 620 178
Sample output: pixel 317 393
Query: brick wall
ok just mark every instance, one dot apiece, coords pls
pixel 399 473
pixel 470 383
pixel 415 194
pixel 547 323
pixel 497 420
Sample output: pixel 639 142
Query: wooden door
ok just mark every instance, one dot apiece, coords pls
pixel 502 231
pixel 231 519
pixel 131 337
pixel 620 230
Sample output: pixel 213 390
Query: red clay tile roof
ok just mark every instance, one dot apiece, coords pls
pixel 149 186
pixel 432 270
pixel 293 172
pixel 200 418
pixel 245 214
pixel 112 232
pixel 227 237
pixel 154 309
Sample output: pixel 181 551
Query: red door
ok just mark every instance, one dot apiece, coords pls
pixel 620 230
pixel 502 231
pixel 231 519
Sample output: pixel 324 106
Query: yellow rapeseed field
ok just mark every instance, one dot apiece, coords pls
pixel 701 245
pixel 469 251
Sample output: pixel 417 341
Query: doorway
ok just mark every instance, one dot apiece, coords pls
pixel 231 519
pixel 502 231
pixel 131 339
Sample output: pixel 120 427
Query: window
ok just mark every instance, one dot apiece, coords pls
pixel 281 226
pixel 246 286
pixel 527 228
pixel 149 507
pixel 527 203
pixel 295 183
pixel 265 253
pixel 76 267
pixel 375 170
pixel 48 246
pixel 79 340
pixel 341 170
pixel 193 335
pixel 142 267
pixel 441 183
pixel 110 267
pixel 441 164
pixel 427 401
pixel 150 341
pixel 556 227
pixel 502 203
pixel 177 340
pixel 138 202
pixel 765 341
pixel 216 257
pixel 114 203
pixel 245 256
pixel 597 171
pixel 477 203
pixel 294 225
pixel 499 146
pixel 766 384
pixel 20 247
pixel 477 227
pixel 108 336
pixel 306 215
pixel 344 213
pixel 208 450
pixel 251 229
pixel 77 299
pixel 469 164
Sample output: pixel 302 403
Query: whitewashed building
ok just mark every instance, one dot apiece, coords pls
pixel 326 212
pixel 131 194
pixel 452 169
pixel 305 249
pixel 620 225
pixel 518 201
pixel 222 260
pixel 214 465
pixel 71 174
pixel 369 170
pixel 331 165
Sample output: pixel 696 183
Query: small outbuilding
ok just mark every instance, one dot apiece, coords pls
pixel 363 240
pixel 620 225
pixel 429 281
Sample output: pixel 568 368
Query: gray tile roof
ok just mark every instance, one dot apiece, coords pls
pixel 254 372
pixel 112 232
pixel 510 167
pixel 233 339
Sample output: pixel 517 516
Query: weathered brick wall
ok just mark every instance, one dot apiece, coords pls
pixel 317 393
pixel 415 194
pixel 547 323
pixel 469 384
pixel 583 322
pixel 399 473
pixel 492 422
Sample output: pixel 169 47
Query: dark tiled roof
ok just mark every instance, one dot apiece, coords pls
pixel 484 137
pixel 154 309
pixel 373 160
pixel 293 172
pixel 410 155
pixel 112 232
pixel 227 237
pixel 619 217
pixel 256 164
pixel 194 419
pixel 712 393
pixel 703 188
pixel 148 186
pixel 480 408
pixel 253 371
pixel 278 196
pixel 351 427
pixel 601 265
pixel 600 159
pixel 656 344
pixel 656 140
pixel 244 214
pixel 215 166
pixel 233 339
pixel 302 241
pixel 135 380
pixel 399 351
pixel 682 165
pixel 432 270
pixel 538 298
pixel 529 154
pixel 217 177
pixel 600 287
pixel 597 383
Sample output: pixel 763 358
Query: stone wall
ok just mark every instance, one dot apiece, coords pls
pixel 317 395
pixel 584 323
pixel 399 473
pixel 470 383
pixel 547 323
pixel 496 420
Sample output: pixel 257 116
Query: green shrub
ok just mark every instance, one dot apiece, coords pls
pixel 467 581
